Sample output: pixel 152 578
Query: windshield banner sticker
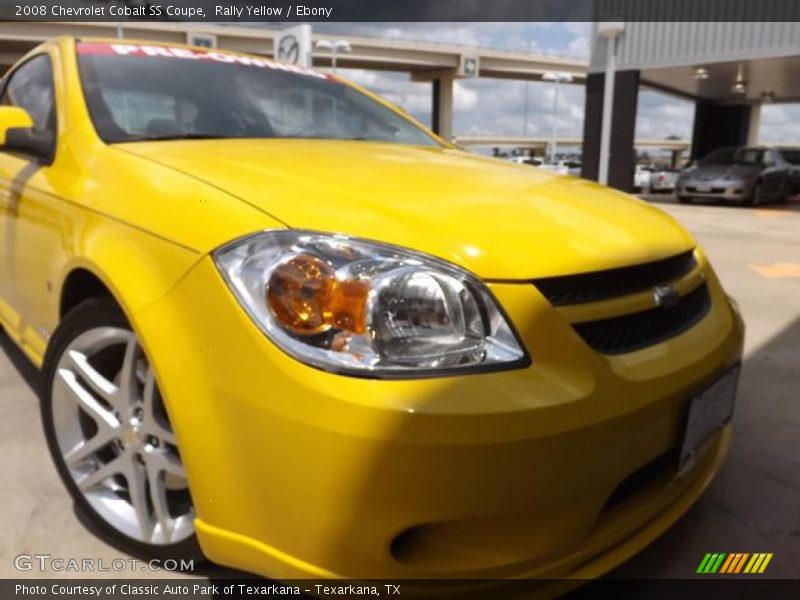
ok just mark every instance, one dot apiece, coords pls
pixel 161 51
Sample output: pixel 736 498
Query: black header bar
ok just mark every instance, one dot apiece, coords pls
pixel 278 11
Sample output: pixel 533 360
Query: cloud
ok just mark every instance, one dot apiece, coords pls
pixel 413 97
pixel 500 108
pixel 464 98
pixel 484 106
pixel 490 106
pixel 579 46
pixel 660 116
pixel 508 36
pixel 780 123
pixel 460 35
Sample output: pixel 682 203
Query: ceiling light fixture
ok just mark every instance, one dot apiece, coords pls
pixel 700 73
pixel 739 85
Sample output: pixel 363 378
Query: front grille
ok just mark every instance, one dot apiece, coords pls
pixel 599 285
pixel 634 331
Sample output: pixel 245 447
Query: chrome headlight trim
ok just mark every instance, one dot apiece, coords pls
pixel 248 265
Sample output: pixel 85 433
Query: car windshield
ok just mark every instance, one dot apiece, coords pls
pixel 734 156
pixel 137 93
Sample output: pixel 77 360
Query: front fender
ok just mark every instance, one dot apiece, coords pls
pixel 136 267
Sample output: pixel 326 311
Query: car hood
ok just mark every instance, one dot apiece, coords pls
pixel 500 220
pixel 713 172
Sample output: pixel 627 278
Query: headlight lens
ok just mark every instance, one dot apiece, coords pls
pixel 365 308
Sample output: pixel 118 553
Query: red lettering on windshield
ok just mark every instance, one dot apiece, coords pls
pixel 161 51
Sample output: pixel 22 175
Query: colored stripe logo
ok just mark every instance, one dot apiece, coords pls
pixel 734 563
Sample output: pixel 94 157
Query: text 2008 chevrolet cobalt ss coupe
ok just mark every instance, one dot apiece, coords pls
pixel 281 323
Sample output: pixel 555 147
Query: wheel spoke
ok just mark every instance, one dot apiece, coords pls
pixel 151 423
pixel 99 384
pixel 136 476
pixel 104 418
pixel 158 498
pixel 127 376
pixel 113 467
pixel 87 448
pixel 160 460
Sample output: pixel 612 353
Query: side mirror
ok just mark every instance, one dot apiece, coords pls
pixel 13 117
pixel 18 135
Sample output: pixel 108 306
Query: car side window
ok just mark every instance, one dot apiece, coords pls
pixel 31 88
pixel 769 159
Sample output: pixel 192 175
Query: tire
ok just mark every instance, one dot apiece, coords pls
pixel 114 434
pixel 756 197
pixel 786 192
pixel 685 199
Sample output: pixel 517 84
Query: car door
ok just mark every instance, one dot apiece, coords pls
pixel 29 227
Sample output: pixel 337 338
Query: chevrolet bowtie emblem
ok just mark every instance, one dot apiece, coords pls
pixel 666 296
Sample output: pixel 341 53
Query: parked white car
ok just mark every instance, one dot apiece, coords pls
pixel 564 167
pixel 663 181
pixel 559 168
pixel 527 160
pixel 642 178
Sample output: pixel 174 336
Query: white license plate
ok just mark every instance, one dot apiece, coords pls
pixel 708 412
pixel 703 187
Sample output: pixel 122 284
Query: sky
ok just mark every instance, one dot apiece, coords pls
pixel 493 106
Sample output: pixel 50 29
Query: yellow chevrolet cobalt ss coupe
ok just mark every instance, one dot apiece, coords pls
pixel 283 326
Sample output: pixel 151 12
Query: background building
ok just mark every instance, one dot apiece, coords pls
pixel 728 69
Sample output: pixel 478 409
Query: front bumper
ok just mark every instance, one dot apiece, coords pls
pixel 299 473
pixel 720 190
pixel 663 185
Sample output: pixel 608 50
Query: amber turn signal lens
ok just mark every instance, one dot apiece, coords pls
pixel 306 297
pixel 298 293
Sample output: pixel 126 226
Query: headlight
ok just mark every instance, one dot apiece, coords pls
pixel 364 308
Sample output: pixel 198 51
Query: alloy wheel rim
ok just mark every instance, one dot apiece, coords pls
pixel 115 438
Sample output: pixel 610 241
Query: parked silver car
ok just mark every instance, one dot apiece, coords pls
pixel 747 175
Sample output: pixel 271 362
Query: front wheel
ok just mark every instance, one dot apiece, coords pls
pixel 756 197
pixel 786 192
pixel 110 436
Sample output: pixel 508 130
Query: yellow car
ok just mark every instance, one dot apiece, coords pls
pixel 281 324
